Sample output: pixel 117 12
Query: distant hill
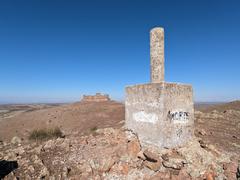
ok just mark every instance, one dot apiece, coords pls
pixel 234 105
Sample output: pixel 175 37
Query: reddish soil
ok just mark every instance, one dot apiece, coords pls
pixel 77 117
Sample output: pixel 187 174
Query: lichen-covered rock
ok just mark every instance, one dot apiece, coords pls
pixel 141 155
pixel 153 165
pixel 133 148
pixel 150 156
pixel 16 140
pixel 161 175
pixel 173 160
pixel 50 144
pixel 199 160
pixel 44 173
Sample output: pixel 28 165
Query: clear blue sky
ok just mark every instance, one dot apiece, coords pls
pixel 55 50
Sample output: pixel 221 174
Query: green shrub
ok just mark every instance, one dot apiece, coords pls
pixel 93 129
pixel 43 134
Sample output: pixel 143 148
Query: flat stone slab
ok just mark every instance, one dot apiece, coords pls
pixel 161 114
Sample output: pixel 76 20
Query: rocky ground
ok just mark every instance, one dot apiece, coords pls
pixel 220 125
pixel 115 154
pixel 112 152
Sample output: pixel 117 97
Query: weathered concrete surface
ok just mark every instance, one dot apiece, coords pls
pixel 160 113
pixel 157 54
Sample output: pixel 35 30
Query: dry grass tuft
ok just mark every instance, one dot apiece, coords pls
pixel 93 129
pixel 43 134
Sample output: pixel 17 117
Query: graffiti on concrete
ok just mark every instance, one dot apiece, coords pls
pixel 178 116
pixel 179 132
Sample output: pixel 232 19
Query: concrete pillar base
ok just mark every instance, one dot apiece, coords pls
pixel 162 114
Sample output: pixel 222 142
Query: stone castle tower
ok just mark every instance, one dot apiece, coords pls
pixel 98 97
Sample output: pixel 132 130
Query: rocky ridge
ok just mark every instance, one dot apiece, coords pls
pixel 115 154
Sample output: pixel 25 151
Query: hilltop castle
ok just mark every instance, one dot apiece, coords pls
pixel 98 97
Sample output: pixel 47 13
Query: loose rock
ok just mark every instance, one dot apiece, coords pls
pixel 155 166
pixel 16 140
pixel 150 156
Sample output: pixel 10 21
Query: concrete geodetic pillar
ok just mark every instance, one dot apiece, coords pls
pixel 161 113
pixel 157 54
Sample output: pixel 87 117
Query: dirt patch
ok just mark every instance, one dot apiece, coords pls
pixel 70 118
